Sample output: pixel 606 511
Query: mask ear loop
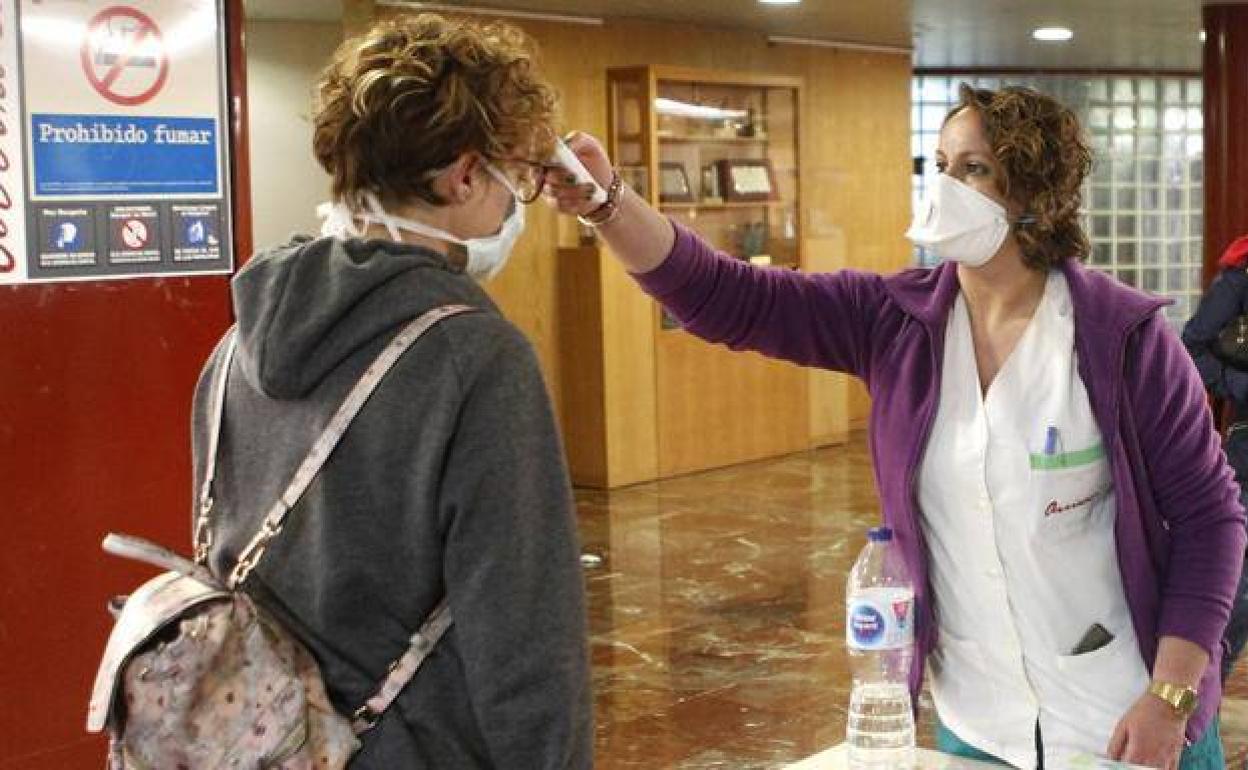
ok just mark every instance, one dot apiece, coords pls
pixel 497 173
pixel 379 215
pixel 502 179
pixel 338 219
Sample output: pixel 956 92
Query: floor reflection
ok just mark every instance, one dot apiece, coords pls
pixel 717 614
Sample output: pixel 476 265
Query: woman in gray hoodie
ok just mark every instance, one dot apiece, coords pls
pixel 451 481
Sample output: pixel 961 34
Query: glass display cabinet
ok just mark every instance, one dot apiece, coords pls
pixel 716 151
pixel 720 153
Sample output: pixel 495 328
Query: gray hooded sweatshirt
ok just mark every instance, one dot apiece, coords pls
pixel 451 481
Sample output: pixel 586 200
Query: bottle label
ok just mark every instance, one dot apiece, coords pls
pixel 880 619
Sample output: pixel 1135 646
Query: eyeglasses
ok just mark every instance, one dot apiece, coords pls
pixel 531 180
pixel 528 185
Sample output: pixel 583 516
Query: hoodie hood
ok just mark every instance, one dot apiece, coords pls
pixel 304 307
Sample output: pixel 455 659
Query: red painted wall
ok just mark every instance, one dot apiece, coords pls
pixel 1226 129
pixel 95 387
pixel 94 436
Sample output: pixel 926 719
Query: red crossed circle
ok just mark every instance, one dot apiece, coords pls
pixel 105 84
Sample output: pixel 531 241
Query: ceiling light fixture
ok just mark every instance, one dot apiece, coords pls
pixel 1052 34
pixel 779 2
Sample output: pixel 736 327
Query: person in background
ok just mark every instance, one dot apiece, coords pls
pixel 1040 439
pixel 451 481
pixel 1224 302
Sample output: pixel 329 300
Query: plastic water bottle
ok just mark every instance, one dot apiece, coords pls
pixel 879 631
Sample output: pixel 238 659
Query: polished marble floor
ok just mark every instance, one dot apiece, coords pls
pixel 716 614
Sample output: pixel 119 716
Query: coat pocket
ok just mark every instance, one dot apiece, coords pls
pixel 1104 684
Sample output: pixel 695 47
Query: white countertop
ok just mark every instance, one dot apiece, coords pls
pixel 835 759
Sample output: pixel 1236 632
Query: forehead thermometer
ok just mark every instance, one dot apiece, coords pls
pixel 563 156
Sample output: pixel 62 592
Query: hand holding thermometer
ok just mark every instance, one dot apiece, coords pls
pixel 563 156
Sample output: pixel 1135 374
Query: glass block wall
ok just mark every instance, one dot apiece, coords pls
pixel 1145 198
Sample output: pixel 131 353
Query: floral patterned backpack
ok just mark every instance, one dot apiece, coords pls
pixel 195 675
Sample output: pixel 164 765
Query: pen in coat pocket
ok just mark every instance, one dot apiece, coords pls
pixel 1051 439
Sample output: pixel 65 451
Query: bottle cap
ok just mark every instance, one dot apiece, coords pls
pixel 880 534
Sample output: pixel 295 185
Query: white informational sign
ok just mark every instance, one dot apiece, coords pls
pixel 122 162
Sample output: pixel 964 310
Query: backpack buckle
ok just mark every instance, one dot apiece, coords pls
pixel 364 719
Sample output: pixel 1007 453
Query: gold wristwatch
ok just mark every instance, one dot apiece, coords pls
pixel 1180 697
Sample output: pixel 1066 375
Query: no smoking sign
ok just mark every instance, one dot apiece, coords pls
pixel 123 168
pixel 124 56
pixel 134 233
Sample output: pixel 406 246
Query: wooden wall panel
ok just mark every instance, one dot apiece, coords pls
pixel 609 415
pixel 357 15
pixel 630 378
pixel 754 408
pixel 859 179
pixel 858 404
pixel 829 394
pixel 583 418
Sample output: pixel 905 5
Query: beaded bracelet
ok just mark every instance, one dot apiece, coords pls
pixel 610 209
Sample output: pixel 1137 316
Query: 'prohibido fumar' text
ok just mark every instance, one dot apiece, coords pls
pixel 120 133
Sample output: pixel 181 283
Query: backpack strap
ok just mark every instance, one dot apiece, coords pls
pixel 203 532
pixel 402 670
pixel 254 551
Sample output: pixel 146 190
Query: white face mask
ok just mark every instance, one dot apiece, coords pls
pixel 958 223
pixel 486 256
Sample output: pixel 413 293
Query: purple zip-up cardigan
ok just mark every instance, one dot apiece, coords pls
pixel 1180 528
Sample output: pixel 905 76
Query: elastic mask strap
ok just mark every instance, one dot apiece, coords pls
pixel 490 169
pixel 497 173
pixel 515 196
pixel 394 224
pixel 379 215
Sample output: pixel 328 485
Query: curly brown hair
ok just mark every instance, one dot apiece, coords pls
pixel 414 93
pixel 1045 154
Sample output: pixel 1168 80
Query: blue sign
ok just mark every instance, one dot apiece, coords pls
pixel 196 228
pixel 67 238
pixel 120 155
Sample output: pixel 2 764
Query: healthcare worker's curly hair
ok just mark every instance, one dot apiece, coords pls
pixel 1046 157
pixel 414 93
